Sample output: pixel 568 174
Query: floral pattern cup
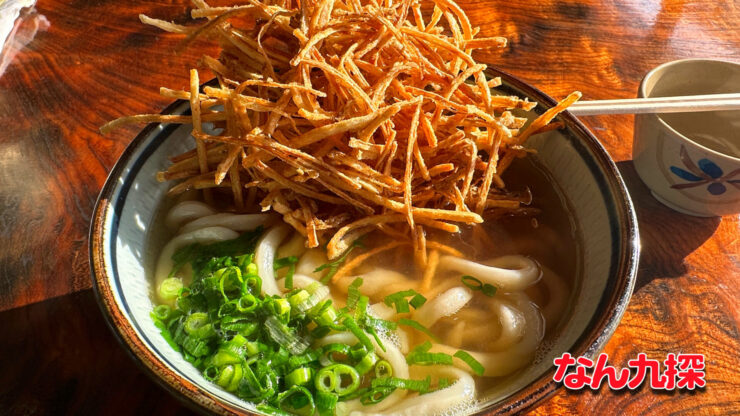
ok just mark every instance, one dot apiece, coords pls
pixel 691 161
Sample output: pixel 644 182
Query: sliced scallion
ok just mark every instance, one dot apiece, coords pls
pixel 418 327
pixel 353 293
pixel 475 284
pixel 476 366
pixel 170 288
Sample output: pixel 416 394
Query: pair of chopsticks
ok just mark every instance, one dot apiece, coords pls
pixel 684 104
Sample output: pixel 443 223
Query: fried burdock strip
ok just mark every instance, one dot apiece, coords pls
pixel 359 104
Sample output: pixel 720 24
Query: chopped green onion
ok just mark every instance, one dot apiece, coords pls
pixel 332 267
pixel 471 282
pixel 383 369
pixel 325 381
pixel 366 363
pixel 162 313
pixel 475 284
pixel 240 326
pixel 170 288
pixel 326 403
pixel 353 293
pixel 476 366
pixel 227 309
pixel 357 351
pixel 198 255
pixel 328 358
pixel 284 262
pixel 320 332
pixel 289 262
pixel 298 297
pixel 403 383
pixel 198 326
pixel 284 336
pixel 270 410
pixel 376 395
pixel 402 304
pixel 307 357
pixel 429 358
pixel 489 290
pixel 196 346
pixel 228 278
pixel 418 327
pixel 418 300
pixel 229 377
pixel 166 334
pixel 225 357
pixel 257 346
pixel 326 314
pixel 361 309
pixel 395 297
pixel 356 394
pixel 426 346
pixel 358 333
pixel 280 308
pixel 297 392
pixel 210 373
pixel 299 377
pixel 338 378
pixel 372 332
pixel 247 303
pixel 317 296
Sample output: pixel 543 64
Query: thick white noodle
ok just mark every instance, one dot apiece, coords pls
pixel 264 257
pixel 557 297
pixel 391 354
pixel 300 281
pixel 446 304
pixel 296 246
pixel 513 325
pixel 236 222
pixel 403 340
pixel 507 273
pixel 501 363
pixel 455 335
pixel 203 236
pixel 378 283
pixel 382 311
pixel 437 403
pixel 186 211
pixel 310 261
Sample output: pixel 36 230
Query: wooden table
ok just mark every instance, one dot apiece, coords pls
pixel 92 61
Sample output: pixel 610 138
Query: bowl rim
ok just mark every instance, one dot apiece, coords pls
pixel 665 67
pixel 600 327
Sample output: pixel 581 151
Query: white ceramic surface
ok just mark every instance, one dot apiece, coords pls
pixel 578 165
pixel 691 161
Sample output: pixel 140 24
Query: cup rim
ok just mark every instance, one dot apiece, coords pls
pixel 651 74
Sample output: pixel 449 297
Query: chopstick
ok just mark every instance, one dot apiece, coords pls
pixel 683 104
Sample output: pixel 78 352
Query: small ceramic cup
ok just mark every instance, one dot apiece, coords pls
pixel 691 161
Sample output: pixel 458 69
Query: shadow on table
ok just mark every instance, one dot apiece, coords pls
pixel 59 357
pixel 666 236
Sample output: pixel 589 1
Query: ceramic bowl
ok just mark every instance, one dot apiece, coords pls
pixel 578 164
pixel 691 161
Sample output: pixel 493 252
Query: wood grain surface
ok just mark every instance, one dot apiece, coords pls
pixel 91 61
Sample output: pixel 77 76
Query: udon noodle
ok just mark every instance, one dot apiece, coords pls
pixel 501 332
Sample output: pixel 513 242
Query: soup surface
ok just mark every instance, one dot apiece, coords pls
pixel 501 330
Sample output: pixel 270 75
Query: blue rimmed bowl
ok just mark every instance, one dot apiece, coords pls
pixel 577 163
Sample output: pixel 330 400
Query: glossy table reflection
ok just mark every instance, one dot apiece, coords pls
pixel 72 66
